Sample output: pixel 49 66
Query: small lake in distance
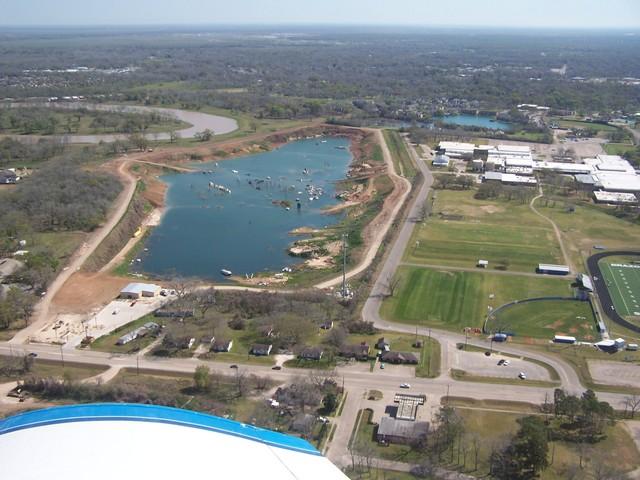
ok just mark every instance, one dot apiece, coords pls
pixel 477 121
pixel 205 229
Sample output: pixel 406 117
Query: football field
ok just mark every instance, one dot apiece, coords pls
pixel 623 283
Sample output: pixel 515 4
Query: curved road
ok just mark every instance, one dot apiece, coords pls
pixel 199 122
pixel 447 340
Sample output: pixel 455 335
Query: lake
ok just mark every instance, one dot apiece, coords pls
pixel 477 121
pixel 205 229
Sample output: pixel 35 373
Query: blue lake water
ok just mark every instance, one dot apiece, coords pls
pixel 205 230
pixel 477 121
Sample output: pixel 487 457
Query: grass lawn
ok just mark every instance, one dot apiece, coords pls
pixel 623 283
pixel 463 230
pixel 590 225
pixel 107 343
pixel 545 319
pixel 463 376
pixel 474 403
pixel 454 300
pixel 496 428
pixel 586 125
pixel 401 158
pixel 48 368
pixel 63 244
pixel 618 148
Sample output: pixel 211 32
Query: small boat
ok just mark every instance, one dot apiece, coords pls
pixel 234 171
pixel 226 273
pixel 340 147
pixel 323 141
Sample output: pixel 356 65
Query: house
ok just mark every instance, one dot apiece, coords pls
pixel 8 177
pixel 311 353
pixel 383 344
pixel 137 290
pixel 328 325
pixel 359 351
pixel 399 357
pixel 266 330
pixel 221 346
pixel 260 349
pixel 185 343
pixel 303 423
pixel 392 430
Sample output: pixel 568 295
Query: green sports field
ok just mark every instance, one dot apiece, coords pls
pixel 546 318
pixel 454 300
pixel 623 283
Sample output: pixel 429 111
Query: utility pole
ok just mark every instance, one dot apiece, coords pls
pixel 137 364
pixel 344 265
pixel 62 356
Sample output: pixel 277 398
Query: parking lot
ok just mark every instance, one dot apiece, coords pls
pixel 615 373
pixel 476 363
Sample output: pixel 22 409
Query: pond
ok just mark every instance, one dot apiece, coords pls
pixel 206 229
pixel 483 121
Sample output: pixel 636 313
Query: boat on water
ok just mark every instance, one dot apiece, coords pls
pixel 226 273
pixel 340 147
pixel 234 171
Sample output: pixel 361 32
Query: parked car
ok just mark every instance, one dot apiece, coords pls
pixel 277 367
pixel 501 362
pixel 522 376
pixel 405 385
pixel 33 354
pixel 506 363
pixel 382 366
pixel 233 366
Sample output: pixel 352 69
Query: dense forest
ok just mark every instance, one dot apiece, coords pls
pixel 313 71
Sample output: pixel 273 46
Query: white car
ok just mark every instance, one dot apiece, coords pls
pixel 405 385
pixel 522 376
pixel 506 363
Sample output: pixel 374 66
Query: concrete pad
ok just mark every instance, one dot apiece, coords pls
pixel 615 373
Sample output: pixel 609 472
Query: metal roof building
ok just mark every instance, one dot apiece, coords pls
pixel 104 441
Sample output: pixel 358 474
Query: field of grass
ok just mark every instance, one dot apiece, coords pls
pixel 464 230
pixel 565 123
pixel 590 225
pixel 81 123
pixel 48 368
pixel 107 343
pixel 401 158
pixel 495 428
pixel 618 148
pixel 454 300
pixel 463 376
pixel 545 319
pixel 623 283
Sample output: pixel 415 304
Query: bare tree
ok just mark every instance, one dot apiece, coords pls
pixel 392 284
pixel 631 404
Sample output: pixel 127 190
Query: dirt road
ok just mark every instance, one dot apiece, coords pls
pixel 41 313
pixel 383 221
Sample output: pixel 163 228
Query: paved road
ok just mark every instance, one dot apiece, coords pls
pixel 198 122
pixel 447 340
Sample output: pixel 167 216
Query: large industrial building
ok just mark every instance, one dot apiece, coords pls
pixel 106 441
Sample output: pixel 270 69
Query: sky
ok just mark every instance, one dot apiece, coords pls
pixel 481 13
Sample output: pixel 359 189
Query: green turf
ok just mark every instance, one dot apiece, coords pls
pixel 464 243
pixel 600 127
pixel 464 230
pixel 454 300
pixel 623 282
pixel 618 148
pixel 547 318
